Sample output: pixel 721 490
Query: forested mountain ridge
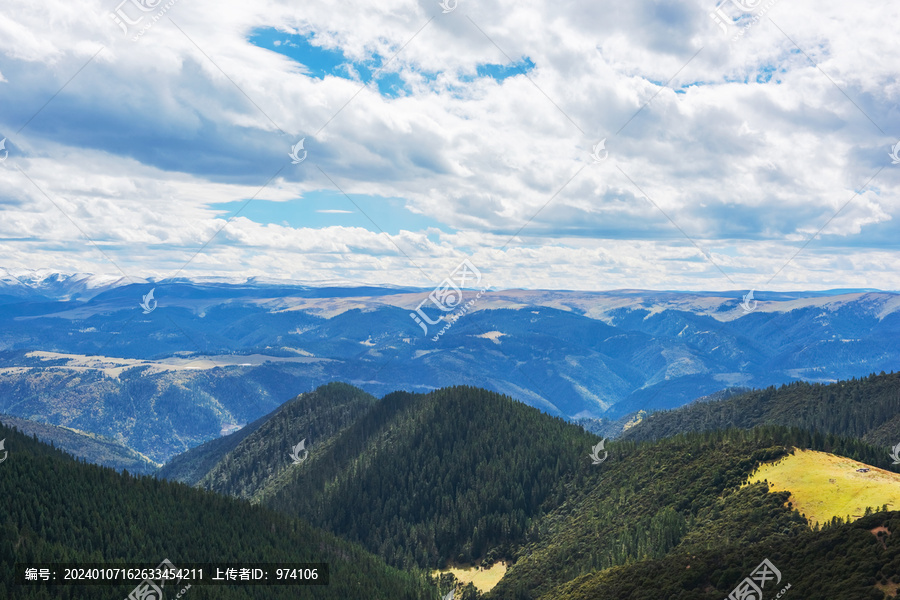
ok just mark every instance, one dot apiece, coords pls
pixel 70 511
pixel 93 448
pixel 419 478
pixel 867 408
pixel 458 474
pixel 465 475
pixel 683 497
pixel 312 418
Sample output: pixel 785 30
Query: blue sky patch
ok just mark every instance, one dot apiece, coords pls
pixel 322 62
pixel 501 72
pixel 327 208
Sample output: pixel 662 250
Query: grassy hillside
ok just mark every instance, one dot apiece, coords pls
pixel 824 486
pixel 867 409
pixel 61 510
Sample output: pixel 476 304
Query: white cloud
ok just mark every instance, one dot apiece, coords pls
pixel 749 160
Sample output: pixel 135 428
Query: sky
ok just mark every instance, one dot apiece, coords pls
pixel 601 145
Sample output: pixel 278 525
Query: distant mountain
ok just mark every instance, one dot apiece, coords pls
pixel 156 412
pixel 212 356
pixel 44 284
pixel 866 409
pixel 93 448
pixel 60 510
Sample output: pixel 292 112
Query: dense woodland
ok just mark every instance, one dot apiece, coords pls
pixel 678 495
pixel 866 408
pixel 463 475
pixel 59 510
pixel 843 561
pixel 423 479
pixel 412 485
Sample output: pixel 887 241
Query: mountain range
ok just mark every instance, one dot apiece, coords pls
pixel 388 489
pixel 466 476
pixel 80 351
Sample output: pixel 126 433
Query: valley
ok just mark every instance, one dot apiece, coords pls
pixel 227 353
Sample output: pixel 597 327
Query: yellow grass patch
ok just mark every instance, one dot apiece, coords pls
pixel 635 420
pixel 889 589
pixel 484 579
pixel 824 486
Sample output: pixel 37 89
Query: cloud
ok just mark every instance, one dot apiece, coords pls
pixel 742 147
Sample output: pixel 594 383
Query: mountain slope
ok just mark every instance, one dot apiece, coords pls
pixel 192 465
pixel 95 449
pixel 676 497
pixel 464 475
pixel 867 408
pixel 856 561
pixel 419 478
pixel 315 417
pixel 457 474
pixel 157 413
pixel 68 511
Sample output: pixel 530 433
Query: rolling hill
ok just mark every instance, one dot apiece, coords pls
pixel 463 476
pixel 62 510
pixel 441 471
